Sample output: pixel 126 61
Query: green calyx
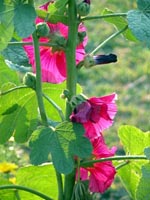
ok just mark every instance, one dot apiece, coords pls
pixel 42 29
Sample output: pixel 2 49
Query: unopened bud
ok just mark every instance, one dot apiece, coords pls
pixel 30 80
pixel 83 8
pixel 42 29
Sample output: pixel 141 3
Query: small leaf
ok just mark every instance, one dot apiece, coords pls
pixel 147 152
pixel 24 19
pixel 142 191
pixel 120 23
pixel 139 21
pixel 40 178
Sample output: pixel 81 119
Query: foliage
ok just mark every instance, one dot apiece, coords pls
pixel 45 123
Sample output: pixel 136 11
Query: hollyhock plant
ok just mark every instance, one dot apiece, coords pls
pixel 53 61
pixel 96 114
pixel 101 174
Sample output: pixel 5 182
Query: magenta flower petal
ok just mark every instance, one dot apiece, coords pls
pixel 102 174
pixel 96 114
pixel 53 64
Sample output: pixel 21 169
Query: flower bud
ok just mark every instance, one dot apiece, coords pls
pixel 42 29
pixel 83 8
pixel 81 36
pixel 30 80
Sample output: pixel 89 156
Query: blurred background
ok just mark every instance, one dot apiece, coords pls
pixel 129 78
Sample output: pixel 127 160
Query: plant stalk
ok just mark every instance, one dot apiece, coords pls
pixel 38 80
pixel 104 16
pixel 108 39
pixel 131 157
pixel 71 80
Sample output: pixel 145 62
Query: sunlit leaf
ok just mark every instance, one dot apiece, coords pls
pixel 134 142
pixel 40 178
pixel 18 115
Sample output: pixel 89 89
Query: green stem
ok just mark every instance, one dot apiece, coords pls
pixel 69 185
pixel 38 80
pixel 13 89
pixel 132 157
pixel 104 16
pixel 60 185
pixel 71 53
pixel 71 80
pixel 55 106
pixel 18 187
pixel 17 195
pixel 108 39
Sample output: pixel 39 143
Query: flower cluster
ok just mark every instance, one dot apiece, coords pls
pixel 95 114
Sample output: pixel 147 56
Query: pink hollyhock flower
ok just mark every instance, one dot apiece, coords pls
pixel 53 63
pixel 100 175
pixel 96 114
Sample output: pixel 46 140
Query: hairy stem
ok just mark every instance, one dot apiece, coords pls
pixel 38 80
pixel 104 16
pixel 71 80
pixel 19 187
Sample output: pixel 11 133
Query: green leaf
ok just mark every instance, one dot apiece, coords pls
pixel 24 18
pixel 147 152
pixel 134 142
pixel 139 21
pixel 6 194
pixel 54 91
pixel 63 143
pixel 18 115
pixel 120 23
pixel 40 178
pixel 6 23
pixel 144 184
pixel 7 74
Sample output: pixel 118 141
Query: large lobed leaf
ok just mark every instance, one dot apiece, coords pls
pixel 64 142
pixel 134 142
